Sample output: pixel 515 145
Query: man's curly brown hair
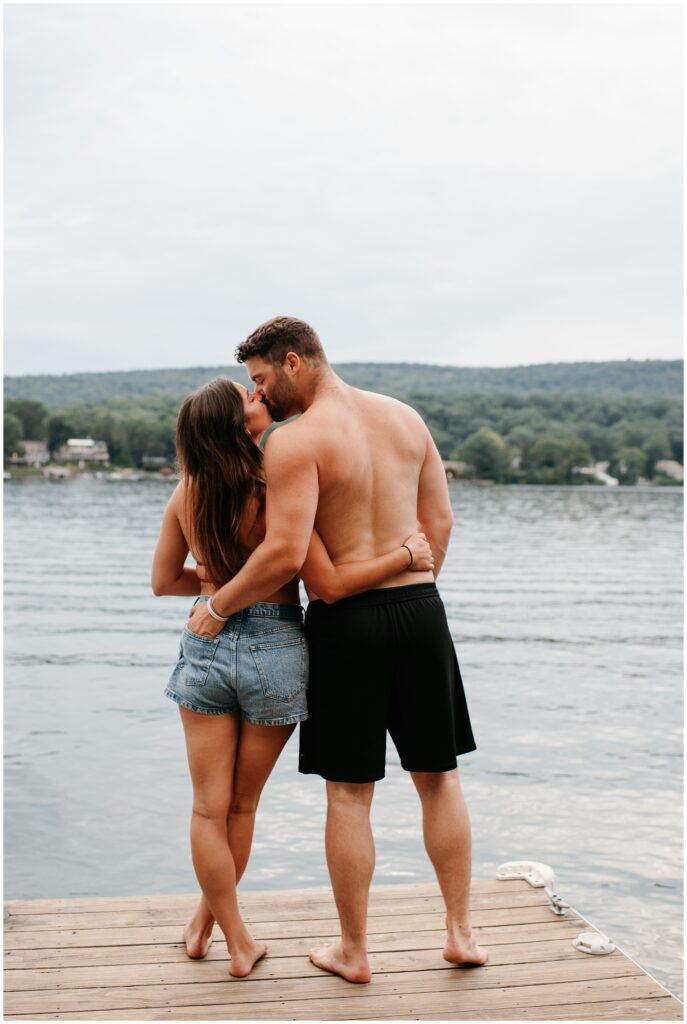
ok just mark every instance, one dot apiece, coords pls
pixel 273 339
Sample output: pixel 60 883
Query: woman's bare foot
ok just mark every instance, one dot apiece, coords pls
pixel 333 959
pixel 245 956
pixel 197 940
pixel 461 948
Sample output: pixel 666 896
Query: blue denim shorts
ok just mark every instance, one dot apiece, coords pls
pixel 257 666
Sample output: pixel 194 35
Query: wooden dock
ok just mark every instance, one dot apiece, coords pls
pixel 123 959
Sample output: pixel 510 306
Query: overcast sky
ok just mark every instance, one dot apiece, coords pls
pixel 465 184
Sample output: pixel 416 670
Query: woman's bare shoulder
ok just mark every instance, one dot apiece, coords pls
pixel 179 494
pixel 178 504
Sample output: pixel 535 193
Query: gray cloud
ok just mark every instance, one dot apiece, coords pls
pixel 468 184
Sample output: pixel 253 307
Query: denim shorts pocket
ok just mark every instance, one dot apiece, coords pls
pixel 271 629
pixel 198 654
pixel 282 666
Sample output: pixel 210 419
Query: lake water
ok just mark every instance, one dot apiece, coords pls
pixel 566 608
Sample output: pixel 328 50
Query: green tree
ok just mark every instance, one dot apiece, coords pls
pixel 13 430
pixel 553 459
pixel 32 416
pixel 674 426
pixel 59 429
pixel 656 447
pixel 677 443
pixel 146 436
pixel 488 453
pixel 628 464
pixel 441 437
pixel 523 439
pixel 111 429
pixel 598 439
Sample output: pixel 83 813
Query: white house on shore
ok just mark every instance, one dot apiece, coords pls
pixel 83 449
pixel 35 454
pixel 671 468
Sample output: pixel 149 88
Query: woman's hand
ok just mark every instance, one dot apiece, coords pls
pixel 423 559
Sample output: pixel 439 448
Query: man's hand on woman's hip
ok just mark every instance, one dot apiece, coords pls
pixel 202 623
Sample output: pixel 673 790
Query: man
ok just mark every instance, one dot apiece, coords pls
pixel 363 469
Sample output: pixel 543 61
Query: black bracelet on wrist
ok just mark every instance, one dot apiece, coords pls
pixel 410 553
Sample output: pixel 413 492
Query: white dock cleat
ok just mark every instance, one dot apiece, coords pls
pixel 541 876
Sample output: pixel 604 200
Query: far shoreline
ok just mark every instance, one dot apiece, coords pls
pixel 128 474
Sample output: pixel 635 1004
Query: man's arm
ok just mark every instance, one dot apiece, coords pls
pixel 434 511
pixel 292 495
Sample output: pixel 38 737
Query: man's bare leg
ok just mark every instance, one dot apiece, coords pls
pixel 446 829
pixel 259 747
pixel 351 862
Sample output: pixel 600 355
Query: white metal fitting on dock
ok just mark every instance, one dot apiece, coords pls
pixel 541 876
pixel 594 943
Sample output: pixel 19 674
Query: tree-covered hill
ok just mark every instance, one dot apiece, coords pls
pixel 658 378
pixel 530 424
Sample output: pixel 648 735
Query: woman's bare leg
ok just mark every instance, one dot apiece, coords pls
pixel 259 747
pixel 211 744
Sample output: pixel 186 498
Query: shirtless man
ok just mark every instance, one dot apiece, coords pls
pixel 363 469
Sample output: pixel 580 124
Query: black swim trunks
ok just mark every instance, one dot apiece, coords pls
pixel 382 660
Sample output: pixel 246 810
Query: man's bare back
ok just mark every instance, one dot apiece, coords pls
pixel 369 451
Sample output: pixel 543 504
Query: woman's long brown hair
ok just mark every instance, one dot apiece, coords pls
pixel 222 467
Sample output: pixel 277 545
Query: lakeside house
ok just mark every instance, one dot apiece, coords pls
pixel 160 462
pixel 35 454
pixel 82 450
pixel 671 468
pixel 454 467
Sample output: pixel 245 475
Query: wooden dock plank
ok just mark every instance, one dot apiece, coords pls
pixel 661 1008
pixel 412 959
pixel 658 1008
pixel 375 1003
pixel 257 911
pixel 268 930
pixel 306 986
pixel 256 897
pixel 175 952
pixel 123 959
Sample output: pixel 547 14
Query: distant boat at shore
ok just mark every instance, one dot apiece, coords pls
pixel 124 475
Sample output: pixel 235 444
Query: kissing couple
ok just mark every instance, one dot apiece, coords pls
pixel 351 497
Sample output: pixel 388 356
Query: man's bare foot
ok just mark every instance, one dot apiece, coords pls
pixel 461 948
pixel 245 957
pixel 197 940
pixel 333 959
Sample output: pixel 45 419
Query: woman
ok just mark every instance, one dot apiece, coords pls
pixel 241 694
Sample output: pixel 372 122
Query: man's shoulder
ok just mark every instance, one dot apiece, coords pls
pixel 279 427
pixel 378 398
pixel 390 406
pixel 287 436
